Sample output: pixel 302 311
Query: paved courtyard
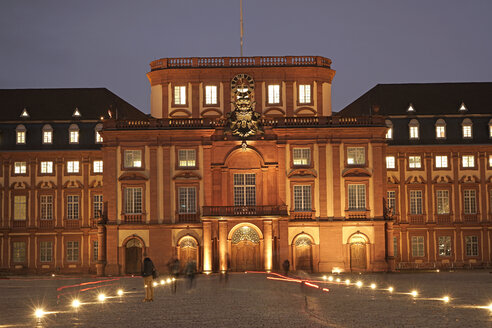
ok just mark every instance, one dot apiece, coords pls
pixel 252 300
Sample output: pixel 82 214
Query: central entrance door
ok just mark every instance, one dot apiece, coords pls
pixel 358 254
pixel 133 256
pixel 304 254
pixel 188 251
pixel 245 252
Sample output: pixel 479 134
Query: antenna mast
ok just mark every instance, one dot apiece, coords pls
pixel 241 21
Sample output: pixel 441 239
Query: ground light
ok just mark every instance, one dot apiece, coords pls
pixel 75 303
pixel 347 282
pixel 168 280
pixel 155 283
pixel 373 286
pixel 446 299
pixel 390 289
pixel 338 280
pixel 39 313
pixel 163 281
pixel 330 278
pixel 414 293
pixel 490 307
pixel 101 297
pixel 120 292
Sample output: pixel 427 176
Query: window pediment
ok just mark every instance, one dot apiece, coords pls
pixel 46 185
pixel 442 179
pixel 415 180
pixel 132 176
pixel 356 172
pixel 187 175
pixel 73 184
pixel 304 173
pixel 469 179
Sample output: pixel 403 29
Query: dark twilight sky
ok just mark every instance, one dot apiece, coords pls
pixel 65 44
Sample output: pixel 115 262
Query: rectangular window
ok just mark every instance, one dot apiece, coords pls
pixel 391 195
pixel 20 208
pixel 46 203
pixel 72 251
pixel 274 94
pixel 389 133
pixel 302 198
pixel 304 93
pixel 395 246
pixel 47 137
pixel 414 132
pixel 95 250
pixel 133 200
pixel 20 167
pixel 97 166
pixel 442 200
pixel 471 245
pixel 470 201
pixel 417 246
pixel 490 160
pixel 468 161
pixel 19 252
pixel 133 158
pixel 47 167
pixel 99 138
pixel 97 205
pixel 73 167
pixel 440 132
pixel 467 131
pixel 356 156
pixel 244 189
pixel 441 161
pixel 211 95
pixel 301 156
pixel 444 245
pixel 390 162
pixel 180 95
pixel 414 162
pixel 187 200
pixel 187 158
pixel 74 136
pixel 357 197
pixel 46 251
pixel 416 202
pixel 72 207
pixel 20 137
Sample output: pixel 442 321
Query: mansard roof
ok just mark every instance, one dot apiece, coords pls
pixel 60 104
pixel 425 99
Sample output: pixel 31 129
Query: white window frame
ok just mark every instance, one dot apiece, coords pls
pixel 274 94
pixel 45 251
pixel 469 201
pixel 211 92
pixel 440 132
pixel 356 155
pixel 133 200
pixel 180 95
pixel 20 208
pixel 415 162
pixel 47 134
pixel 468 161
pixel 389 132
pixel 244 189
pixel 441 161
pixel 20 134
pixel 302 198
pixel 46 167
pixel 187 200
pixel 418 246
pixel 73 134
pixel 132 158
pixel 304 93
pixel 73 207
pixel 97 205
pixel 416 202
pixel 391 200
pixel 97 166
pixel 72 251
pixel 390 162
pixel 97 133
pixel 356 197
pixel 467 128
pixel 20 167
pixel 442 202
pixel 73 166
pixel 46 204
pixel 301 156
pixel 187 157
pixel 471 243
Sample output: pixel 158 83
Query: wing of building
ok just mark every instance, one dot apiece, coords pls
pixel 242 166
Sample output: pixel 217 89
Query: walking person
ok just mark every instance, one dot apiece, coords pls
pixel 286 266
pixel 190 272
pixel 175 266
pixel 148 274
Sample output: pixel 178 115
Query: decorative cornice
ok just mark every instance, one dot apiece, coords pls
pixel 302 173
pixel 356 172
pixel 131 176
pixel 188 175
pixel 415 180
pixel 71 184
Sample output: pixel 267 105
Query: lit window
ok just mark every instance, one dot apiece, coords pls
pixel 244 189
pixel 72 251
pixel 467 128
pixel 441 161
pixel 440 129
pixel 72 207
pixel 490 162
pixel 442 199
pixel 97 131
pixel 46 202
pixel 133 158
pixel 47 167
pixel 187 158
pixel 490 128
pixel 20 167
pixel 210 95
pixel 416 202
pixel 180 95
pixel 304 93
pixel 389 132
pixel 391 196
pixel 470 201
pixel 133 200
pixel 20 133
pixel 471 245
pixel 356 156
pixel 417 246
pixel 273 94
pixel 468 161
pixel 18 251
pixel 357 197
pixel 73 131
pixel 301 156
pixel 390 162
pixel 46 251
pixel 97 166
pixel 444 245
pixel 47 134
pixel 414 162
pixel 73 167
pixel 97 206
pixel 20 208
pixel 187 200
pixel 302 198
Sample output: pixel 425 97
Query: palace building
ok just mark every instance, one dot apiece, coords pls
pixel 243 165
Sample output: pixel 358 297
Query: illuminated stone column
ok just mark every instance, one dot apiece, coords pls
pixel 223 245
pixel 207 247
pixel 267 243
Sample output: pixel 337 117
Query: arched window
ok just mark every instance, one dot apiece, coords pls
pixel 245 233
pixel 73 132
pixel 20 134
pixel 413 129
pixel 303 241
pixel 467 126
pixel 97 130
pixel 440 129
pixel 47 134
pixel 389 132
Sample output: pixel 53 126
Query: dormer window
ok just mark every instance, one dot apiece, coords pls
pixel 304 93
pixel 76 113
pixel 389 132
pixel 180 95
pixel 211 95
pixel 467 128
pixel 274 94
pixel 463 107
pixel 410 108
pixel 413 128
pixel 440 129
pixel 20 134
pixel 24 113
pixel 73 132
pixel 47 134
pixel 97 131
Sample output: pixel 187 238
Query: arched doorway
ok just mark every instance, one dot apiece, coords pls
pixel 245 252
pixel 358 257
pixel 187 251
pixel 303 253
pixel 133 256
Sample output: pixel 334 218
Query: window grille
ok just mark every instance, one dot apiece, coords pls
pixel 416 202
pixel 133 200
pixel 357 197
pixel 244 189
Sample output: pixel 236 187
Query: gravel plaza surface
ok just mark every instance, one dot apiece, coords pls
pixel 252 300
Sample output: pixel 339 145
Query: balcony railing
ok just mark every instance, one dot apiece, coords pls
pixel 212 62
pixel 188 217
pixel 46 224
pixel 443 218
pixel 133 218
pixel 302 215
pixel 19 223
pixel 72 224
pixel 417 218
pixel 265 210
pixel 470 217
